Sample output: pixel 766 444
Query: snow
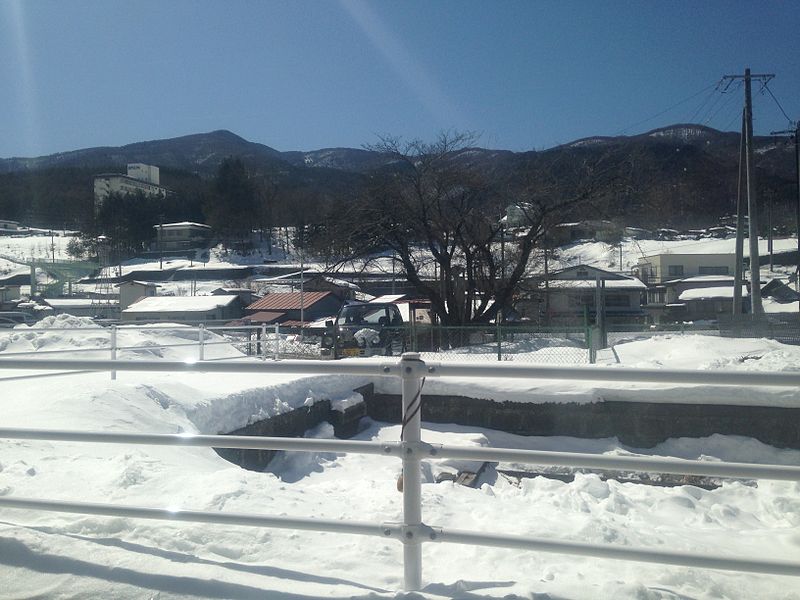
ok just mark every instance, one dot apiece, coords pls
pixel 60 555
pixel 609 284
pixel 180 303
pixel 771 306
pixel 710 292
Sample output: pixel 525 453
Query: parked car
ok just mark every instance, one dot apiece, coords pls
pixel 364 330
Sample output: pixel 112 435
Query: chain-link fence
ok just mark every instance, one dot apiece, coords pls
pixel 621 334
pixel 506 343
pixel 783 327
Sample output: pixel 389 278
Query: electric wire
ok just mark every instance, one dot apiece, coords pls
pixel 704 103
pixel 791 123
pixel 722 106
pixel 666 110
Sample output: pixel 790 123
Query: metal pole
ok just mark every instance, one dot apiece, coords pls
pixel 752 204
pixel 277 341
pixel 113 349
pixel 201 339
pixel 739 266
pixel 263 345
pixel 499 335
pixel 411 368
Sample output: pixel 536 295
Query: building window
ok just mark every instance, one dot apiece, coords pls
pixel 581 274
pixel 713 270
pixel 675 270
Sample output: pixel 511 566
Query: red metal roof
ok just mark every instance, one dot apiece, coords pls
pixel 264 316
pixel 288 301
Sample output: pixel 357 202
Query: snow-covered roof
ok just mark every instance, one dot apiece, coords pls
pixel 179 303
pixel 138 282
pixel 387 298
pixel 702 278
pixel 610 284
pixel 181 225
pixel 710 292
pixel 73 302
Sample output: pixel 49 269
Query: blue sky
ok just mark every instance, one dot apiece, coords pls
pixel 303 75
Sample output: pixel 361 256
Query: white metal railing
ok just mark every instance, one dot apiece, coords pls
pixel 257 346
pixel 413 531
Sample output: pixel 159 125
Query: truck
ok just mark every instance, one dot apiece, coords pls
pixel 372 329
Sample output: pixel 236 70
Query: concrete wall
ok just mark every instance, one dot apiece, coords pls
pixel 642 425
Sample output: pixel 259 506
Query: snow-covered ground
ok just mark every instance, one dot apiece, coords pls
pixel 51 555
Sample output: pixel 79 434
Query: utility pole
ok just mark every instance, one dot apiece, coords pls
pixel 752 205
pixel 739 266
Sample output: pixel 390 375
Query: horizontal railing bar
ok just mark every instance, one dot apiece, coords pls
pixel 242 442
pixel 194 344
pixel 308 367
pixel 196 516
pixel 628 463
pixel 622 375
pixel 637 554
pixel 433 369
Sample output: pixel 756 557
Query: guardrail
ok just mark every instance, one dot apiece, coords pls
pixel 412 532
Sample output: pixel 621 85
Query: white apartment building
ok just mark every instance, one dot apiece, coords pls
pixel 140 178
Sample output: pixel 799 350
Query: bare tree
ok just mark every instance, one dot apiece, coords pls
pixel 441 217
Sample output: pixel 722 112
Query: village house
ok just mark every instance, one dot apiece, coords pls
pixel 568 295
pixel 184 235
pixel 285 307
pixel 667 266
pixel 185 309
pixel 132 291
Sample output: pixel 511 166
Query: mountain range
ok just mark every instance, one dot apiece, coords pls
pixel 690 168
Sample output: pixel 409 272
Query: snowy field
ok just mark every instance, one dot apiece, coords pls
pixel 51 555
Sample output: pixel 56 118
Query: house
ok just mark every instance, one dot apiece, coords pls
pixel 8 227
pixel 568 294
pixel 181 236
pixel 666 302
pixel 659 268
pixel 179 309
pixel 132 291
pixel 284 307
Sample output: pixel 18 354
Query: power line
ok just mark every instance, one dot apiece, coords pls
pixel 666 110
pixel 719 110
pixel 766 87
pixel 703 104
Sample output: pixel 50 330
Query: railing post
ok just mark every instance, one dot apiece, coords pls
pixel 113 349
pixel 277 341
pixel 411 371
pixel 262 345
pixel 201 340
